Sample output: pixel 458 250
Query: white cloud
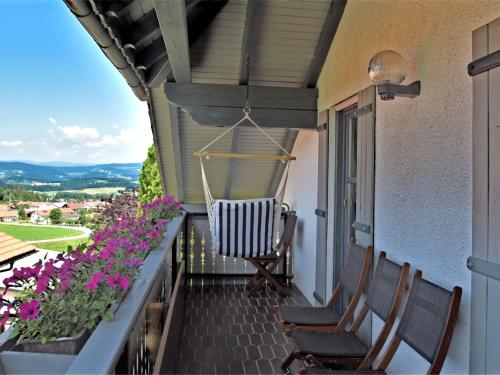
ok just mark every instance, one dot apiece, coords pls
pixel 96 155
pixel 77 133
pixel 11 143
pixel 111 142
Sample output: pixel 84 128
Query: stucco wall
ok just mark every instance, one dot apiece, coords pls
pixel 301 194
pixel 423 197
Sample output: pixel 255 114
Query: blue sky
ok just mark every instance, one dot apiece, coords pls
pixel 61 99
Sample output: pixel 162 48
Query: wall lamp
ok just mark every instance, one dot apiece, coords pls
pixel 387 69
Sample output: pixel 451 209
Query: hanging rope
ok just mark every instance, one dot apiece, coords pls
pixel 218 209
pixel 247 109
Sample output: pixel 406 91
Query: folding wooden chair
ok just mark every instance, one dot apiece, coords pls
pixel 426 326
pixel 352 280
pixel 384 298
pixel 265 265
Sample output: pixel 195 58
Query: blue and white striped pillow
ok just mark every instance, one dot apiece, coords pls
pixel 244 228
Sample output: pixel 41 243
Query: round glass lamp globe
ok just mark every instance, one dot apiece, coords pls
pixel 387 67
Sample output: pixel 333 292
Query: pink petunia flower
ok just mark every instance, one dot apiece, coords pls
pixel 94 281
pixel 29 310
pixel 106 268
pixel 117 281
pixel 124 282
pixel 153 234
pixel 6 315
pixel 41 286
pixel 132 262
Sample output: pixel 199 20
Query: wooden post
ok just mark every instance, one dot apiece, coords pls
pixel 284 270
pixel 186 242
pixel 174 261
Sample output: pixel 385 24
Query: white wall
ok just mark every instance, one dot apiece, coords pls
pixel 301 194
pixel 423 197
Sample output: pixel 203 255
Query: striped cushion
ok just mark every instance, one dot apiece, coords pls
pixel 244 228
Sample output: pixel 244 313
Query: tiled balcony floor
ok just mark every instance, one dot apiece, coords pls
pixel 226 331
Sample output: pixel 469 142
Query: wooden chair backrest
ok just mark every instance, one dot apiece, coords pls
pixel 353 280
pixel 288 231
pixel 384 298
pixel 427 323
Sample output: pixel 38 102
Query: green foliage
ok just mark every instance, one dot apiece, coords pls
pixel 83 217
pixel 18 194
pixel 22 213
pixel 150 179
pixel 56 216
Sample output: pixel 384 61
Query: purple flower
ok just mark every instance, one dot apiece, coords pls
pixel 117 281
pixel 25 273
pixel 29 310
pixel 6 315
pixel 153 234
pixel 106 268
pixel 143 245
pixel 41 286
pixel 94 281
pixel 132 262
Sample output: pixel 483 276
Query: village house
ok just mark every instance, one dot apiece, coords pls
pixel 7 214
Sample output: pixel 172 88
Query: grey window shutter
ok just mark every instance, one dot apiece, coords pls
pixel 321 209
pixel 485 310
pixel 365 187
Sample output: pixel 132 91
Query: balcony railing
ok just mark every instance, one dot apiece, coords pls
pixel 200 261
pixel 144 333
pixel 137 340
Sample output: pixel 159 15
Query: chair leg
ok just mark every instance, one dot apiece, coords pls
pixel 312 360
pixel 269 276
pixel 286 364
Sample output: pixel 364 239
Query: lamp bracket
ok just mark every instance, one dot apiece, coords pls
pixel 388 91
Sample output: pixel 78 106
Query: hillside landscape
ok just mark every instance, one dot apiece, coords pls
pixel 59 178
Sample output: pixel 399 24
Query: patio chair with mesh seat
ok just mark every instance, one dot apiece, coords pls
pixel 384 298
pixel 426 326
pixel 352 280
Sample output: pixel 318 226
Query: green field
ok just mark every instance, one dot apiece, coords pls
pixel 35 233
pixel 61 245
pixel 93 191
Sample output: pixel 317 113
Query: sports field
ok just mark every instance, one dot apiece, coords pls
pixel 35 233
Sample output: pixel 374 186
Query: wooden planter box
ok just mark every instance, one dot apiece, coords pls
pixel 103 350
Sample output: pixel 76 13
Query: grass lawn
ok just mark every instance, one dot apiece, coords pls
pixel 34 233
pixel 61 245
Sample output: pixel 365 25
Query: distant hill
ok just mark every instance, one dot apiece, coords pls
pixel 43 177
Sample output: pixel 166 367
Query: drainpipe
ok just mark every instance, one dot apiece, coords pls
pixel 105 33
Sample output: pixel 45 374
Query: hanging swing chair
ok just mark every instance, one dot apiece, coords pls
pixel 244 228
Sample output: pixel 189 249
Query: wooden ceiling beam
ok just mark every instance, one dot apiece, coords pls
pixel 173 25
pixel 199 16
pixel 221 105
pixel 139 31
pixel 330 26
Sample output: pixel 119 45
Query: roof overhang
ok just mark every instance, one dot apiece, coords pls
pixel 199 48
